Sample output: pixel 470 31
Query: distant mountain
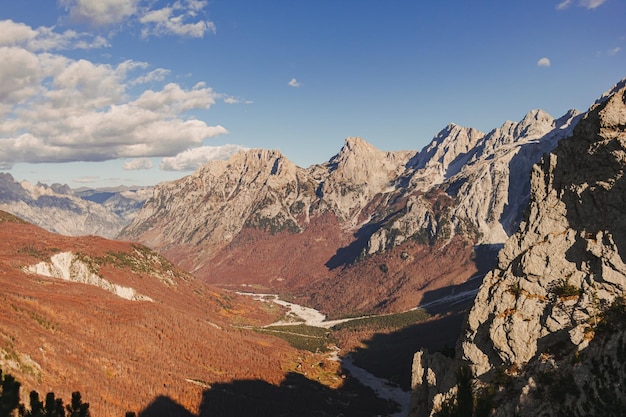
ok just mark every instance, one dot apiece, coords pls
pixel 546 334
pixel 59 209
pixel 367 231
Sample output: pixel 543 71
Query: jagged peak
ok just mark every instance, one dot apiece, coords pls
pixel 607 116
pixel 260 154
pixel 452 133
pixel 248 157
pixel 356 145
pixel 448 144
pixel 615 88
pixel 536 115
pixel 355 149
pixel 567 119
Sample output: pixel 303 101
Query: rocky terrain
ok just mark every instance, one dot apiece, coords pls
pixel 60 209
pixel 546 336
pixel 367 231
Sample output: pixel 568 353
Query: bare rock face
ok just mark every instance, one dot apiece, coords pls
pixel 354 176
pixel 486 176
pixel 258 188
pixel 537 313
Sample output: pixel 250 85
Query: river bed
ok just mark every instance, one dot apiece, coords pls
pixel 299 314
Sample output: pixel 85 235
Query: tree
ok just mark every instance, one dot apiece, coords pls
pixel 54 406
pixel 78 408
pixel 36 406
pixel 10 396
pixel 464 394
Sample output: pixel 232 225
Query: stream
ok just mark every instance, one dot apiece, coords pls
pixel 299 314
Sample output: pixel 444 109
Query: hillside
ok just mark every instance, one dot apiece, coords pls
pixel 367 231
pixel 545 336
pixel 125 327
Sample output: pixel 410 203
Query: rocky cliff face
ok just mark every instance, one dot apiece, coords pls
pixel 536 338
pixel 60 210
pixel 365 215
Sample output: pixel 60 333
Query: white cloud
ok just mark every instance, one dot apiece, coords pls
pixel 588 4
pixel 544 62
pixel 156 75
pixel 235 100
pixel 180 18
pixel 614 51
pixel 192 159
pixel 46 39
pixel 591 4
pixel 175 20
pixel 56 109
pixel 564 4
pixel 100 12
pixel 137 164
pixel 294 83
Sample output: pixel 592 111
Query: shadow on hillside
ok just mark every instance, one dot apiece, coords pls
pixel 164 406
pixel 346 255
pixel 295 396
pixel 455 298
pixel 390 356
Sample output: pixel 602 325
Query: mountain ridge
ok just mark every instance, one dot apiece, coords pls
pixel 552 309
pixel 252 210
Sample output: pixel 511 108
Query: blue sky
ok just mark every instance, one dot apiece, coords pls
pixel 109 92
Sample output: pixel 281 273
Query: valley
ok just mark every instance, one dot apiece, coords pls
pixel 253 283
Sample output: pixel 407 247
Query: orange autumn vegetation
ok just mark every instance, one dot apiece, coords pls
pixel 62 336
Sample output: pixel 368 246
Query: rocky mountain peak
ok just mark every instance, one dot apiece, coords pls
pixel 448 146
pixel 356 154
pixel 537 313
pixel 535 124
pixel 357 173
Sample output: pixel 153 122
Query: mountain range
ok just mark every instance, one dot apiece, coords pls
pixel 535 207
pixel 369 231
pixel 60 209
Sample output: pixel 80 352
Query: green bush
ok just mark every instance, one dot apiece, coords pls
pixel 563 289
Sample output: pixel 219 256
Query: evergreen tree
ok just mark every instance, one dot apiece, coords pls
pixel 36 406
pixel 10 396
pixel 464 394
pixel 78 408
pixel 54 406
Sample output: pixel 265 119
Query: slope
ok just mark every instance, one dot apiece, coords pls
pixel 175 337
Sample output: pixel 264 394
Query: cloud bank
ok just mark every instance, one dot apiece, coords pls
pixel 180 18
pixel 58 109
pixel 137 164
pixel 192 159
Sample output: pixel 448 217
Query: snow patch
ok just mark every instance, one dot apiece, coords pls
pixel 69 267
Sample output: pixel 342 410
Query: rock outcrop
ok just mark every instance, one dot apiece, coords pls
pixel 536 338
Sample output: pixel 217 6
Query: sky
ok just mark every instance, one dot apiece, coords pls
pixel 99 93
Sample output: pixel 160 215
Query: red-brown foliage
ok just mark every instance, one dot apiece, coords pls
pixel 61 336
